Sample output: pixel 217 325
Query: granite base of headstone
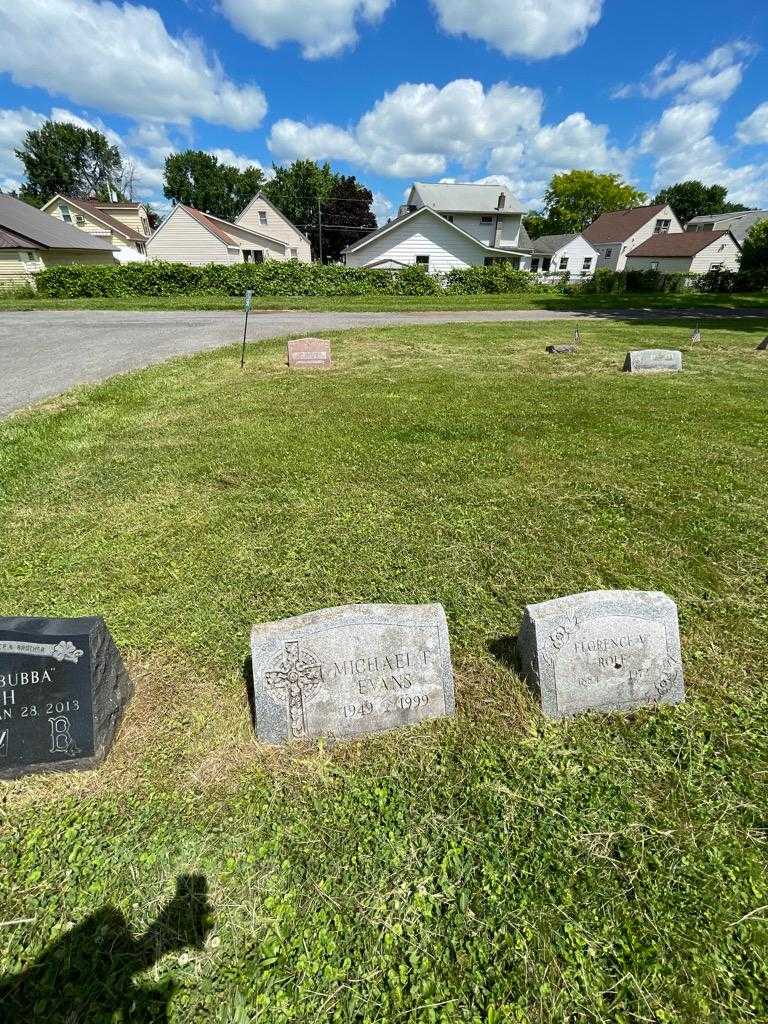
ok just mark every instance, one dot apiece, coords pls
pixel 607 650
pixel 654 360
pixel 562 350
pixel 309 354
pixel 340 673
pixel 63 689
pixel 763 346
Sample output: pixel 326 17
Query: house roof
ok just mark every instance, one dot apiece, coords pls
pixel 619 226
pixel 458 197
pixel 681 243
pixel 50 233
pixel 739 224
pixel 550 244
pixel 10 240
pixel 100 211
pixel 209 223
pixel 402 218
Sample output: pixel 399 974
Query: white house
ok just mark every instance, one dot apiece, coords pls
pixel 447 226
pixel 690 252
pixel 615 235
pixel 260 233
pixel 124 225
pixel 563 254
pixel 30 241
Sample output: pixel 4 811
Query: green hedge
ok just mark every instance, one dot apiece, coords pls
pixel 273 279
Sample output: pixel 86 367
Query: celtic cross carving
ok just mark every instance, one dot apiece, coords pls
pixel 298 676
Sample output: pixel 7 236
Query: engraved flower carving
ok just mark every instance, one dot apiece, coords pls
pixel 65 650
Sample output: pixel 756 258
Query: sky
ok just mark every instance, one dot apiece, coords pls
pixel 508 91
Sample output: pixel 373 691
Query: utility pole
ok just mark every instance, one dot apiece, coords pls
pixel 320 227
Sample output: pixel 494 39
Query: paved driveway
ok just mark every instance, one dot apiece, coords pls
pixel 45 353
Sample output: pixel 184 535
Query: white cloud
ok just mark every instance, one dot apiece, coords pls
pixel 382 207
pixel 14 125
pixel 232 159
pixel 121 59
pixel 714 78
pixel 684 148
pixel 754 129
pixel 577 142
pixel 321 27
pixel 419 128
pixel 521 28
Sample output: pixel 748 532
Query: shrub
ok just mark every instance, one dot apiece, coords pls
pixel 497 278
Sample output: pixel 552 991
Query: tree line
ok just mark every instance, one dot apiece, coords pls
pixel 332 209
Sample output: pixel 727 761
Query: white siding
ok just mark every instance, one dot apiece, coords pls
pixel 618 258
pixel 507 233
pixel 723 250
pixel 576 251
pixel 277 226
pixel 273 250
pixel 425 235
pixel 181 239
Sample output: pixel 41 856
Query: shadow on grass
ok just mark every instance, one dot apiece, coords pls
pixel 505 650
pixel 88 975
pixel 248 680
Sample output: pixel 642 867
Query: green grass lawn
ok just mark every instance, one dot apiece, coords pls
pixel 491 868
pixel 384 303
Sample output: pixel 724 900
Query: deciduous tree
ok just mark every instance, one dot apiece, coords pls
pixel 77 162
pixel 694 199
pixel 198 179
pixel 576 198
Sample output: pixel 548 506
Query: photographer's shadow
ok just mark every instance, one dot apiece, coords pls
pixel 88 975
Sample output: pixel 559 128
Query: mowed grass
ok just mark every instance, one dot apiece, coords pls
pixel 491 868
pixel 404 303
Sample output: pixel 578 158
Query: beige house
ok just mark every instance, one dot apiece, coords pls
pixel 31 240
pixel 690 252
pixel 124 225
pixel 614 235
pixel 260 233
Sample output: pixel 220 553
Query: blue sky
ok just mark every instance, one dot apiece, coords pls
pixel 397 90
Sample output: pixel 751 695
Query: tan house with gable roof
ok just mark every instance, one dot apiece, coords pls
pixel 124 225
pixel 614 235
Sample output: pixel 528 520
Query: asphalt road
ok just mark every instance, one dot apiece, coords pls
pixel 46 353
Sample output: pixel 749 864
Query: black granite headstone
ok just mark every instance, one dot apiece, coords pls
pixel 63 688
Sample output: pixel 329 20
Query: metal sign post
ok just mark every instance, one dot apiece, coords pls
pixel 248 304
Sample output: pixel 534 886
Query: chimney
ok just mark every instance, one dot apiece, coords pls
pixel 502 201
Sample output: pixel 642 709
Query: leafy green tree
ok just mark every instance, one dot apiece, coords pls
pixel 348 214
pixel 691 199
pixel 297 190
pixel 198 179
pixel 754 254
pixel 576 198
pixel 77 162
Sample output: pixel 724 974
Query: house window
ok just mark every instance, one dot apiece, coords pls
pixel 546 265
pixel 448 217
pixel 294 254
pixel 563 262
pixel 587 263
pixel 80 220
pixel 662 227
pixel 488 261
pixel 534 264
pixel 253 255
pixel 65 213
pixel 654 265
pixel 716 266
pixel 608 253
pixel 486 220
pixel 422 261
pixel 262 216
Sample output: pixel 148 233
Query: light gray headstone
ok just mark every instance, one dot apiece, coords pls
pixel 654 360
pixel 309 354
pixel 351 671
pixel 606 650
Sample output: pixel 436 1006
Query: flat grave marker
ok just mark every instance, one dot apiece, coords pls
pixel 606 650
pixel 309 354
pixel 351 671
pixel 654 360
pixel 562 350
pixel 63 688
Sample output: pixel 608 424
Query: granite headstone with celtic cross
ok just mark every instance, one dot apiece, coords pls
pixel 350 671
pixel 607 650
pixel 63 688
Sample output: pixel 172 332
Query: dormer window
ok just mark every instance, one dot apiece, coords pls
pixel 65 212
pixel 662 227
pixel 262 216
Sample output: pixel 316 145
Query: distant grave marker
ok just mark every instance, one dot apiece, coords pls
pixel 607 650
pixel 696 335
pixel 63 688
pixel 351 671
pixel 654 360
pixel 309 354
pixel 763 346
pixel 562 350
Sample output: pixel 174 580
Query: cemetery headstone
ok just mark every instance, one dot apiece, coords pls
pixel 654 360
pixel 562 350
pixel 763 346
pixel 309 354
pixel 63 688
pixel 696 335
pixel 607 650
pixel 351 671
